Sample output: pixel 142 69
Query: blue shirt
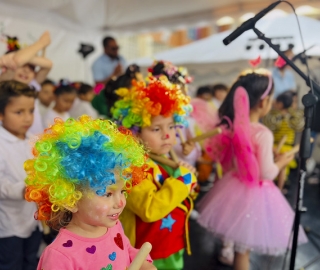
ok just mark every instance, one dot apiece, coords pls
pixel 283 82
pixel 104 66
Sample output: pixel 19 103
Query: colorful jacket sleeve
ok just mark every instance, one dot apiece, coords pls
pixel 152 201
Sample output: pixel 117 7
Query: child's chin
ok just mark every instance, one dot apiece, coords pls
pixel 162 152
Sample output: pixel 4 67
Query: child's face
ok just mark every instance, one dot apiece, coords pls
pixel 278 105
pixel 24 74
pixel 220 95
pixel 266 105
pixel 295 103
pixel 101 211
pixel 87 96
pixel 18 115
pixel 160 137
pixel 206 96
pixel 64 102
pixel 46 95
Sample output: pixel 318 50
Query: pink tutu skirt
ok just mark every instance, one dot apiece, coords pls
pixel 257 218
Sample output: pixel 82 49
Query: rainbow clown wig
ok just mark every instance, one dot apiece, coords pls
pixel 74 156
pixel 140 103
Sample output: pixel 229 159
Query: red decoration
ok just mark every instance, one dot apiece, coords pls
pixel 118 241
pixel 255 62
pixel 280 62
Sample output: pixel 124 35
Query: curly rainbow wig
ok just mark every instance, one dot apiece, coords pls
pixel 140 103
pixel 78 155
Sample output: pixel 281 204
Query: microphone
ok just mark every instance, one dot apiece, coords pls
pixel 249 24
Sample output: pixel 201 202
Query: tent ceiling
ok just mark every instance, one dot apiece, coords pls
pixel 116 14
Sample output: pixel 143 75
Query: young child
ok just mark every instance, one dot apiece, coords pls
pixel 245 207
pixel 185 151
pixel 285 120
pixel 104 101
pixel 79 177
pixel 19 234
pixel 64 96
pixel 219 93
pixel 45 96
pixel 204 93
pixel 21 64
pixel 158 209
pixel 82 104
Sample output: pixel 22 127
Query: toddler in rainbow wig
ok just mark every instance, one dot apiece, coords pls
pixel 79 177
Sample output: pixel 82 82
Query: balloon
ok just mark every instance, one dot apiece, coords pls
pixel 85 49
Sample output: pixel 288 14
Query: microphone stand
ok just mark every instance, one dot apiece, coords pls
pixel 309 101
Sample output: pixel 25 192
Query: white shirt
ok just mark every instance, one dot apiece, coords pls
pixel 16 214
pixel 37 126
pixel 51 114
pixel 81 107
pixel 42 109
pixel 216 103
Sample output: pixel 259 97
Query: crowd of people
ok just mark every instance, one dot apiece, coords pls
pixel 119 163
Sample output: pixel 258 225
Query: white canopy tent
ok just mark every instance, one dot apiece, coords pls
pixel 112 14
pixel 211 49
pixel 72 22
pixel 210 61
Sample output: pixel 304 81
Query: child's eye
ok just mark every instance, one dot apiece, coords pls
pixel 156 129
pixel 172 127
pixel 125 193
pixel 18 112
pixel 109 194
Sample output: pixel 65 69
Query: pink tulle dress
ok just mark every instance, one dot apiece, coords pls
pixel 245 206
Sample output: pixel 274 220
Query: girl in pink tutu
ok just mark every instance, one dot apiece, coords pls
pixel 245 207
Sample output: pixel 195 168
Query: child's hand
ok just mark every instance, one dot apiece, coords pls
pixel 283 160
pixel 7 62
pixel 118 70
pixel 147 266
pixel 188 166
pixel 45 39
pixel 187 148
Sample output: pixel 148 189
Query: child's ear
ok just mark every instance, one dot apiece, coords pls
pixel 264 102
pixel 261 103
pixel 1 116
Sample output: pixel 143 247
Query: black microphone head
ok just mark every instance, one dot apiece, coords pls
pixel 226 41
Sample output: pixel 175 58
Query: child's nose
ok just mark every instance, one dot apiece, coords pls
pixel 118 203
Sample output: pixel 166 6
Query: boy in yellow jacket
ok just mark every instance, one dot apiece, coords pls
pixel 158 210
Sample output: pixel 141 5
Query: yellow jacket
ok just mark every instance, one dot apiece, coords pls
pixel 157 197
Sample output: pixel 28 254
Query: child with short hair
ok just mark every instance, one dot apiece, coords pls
pixel 19 234
pixel 219 92
pixel 158 209
pixel 82 104
pixel 64 96
pixel 79 177
pixel 204 93
pixel 45 96
pixel 284 121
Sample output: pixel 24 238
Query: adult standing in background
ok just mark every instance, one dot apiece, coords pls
pixel 283 77
pixel 110 64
